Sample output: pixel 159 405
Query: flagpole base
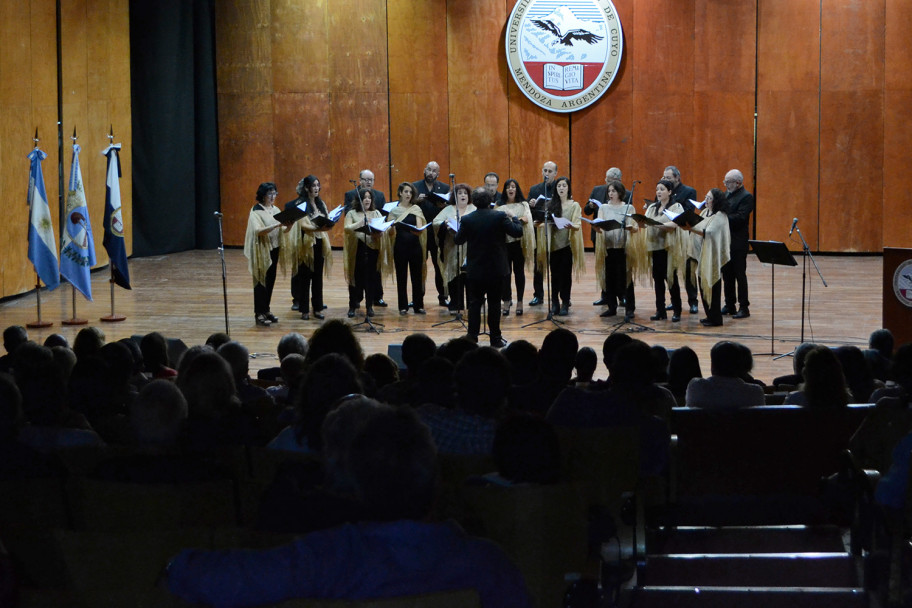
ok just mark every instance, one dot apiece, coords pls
pixel 113 318
pixel 39 324
pixel 75 321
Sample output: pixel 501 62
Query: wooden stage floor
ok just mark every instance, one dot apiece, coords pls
pixel 180 295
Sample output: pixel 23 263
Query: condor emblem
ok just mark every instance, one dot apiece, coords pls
pixel 564 55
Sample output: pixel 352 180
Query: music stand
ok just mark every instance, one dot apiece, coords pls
pixel 772 253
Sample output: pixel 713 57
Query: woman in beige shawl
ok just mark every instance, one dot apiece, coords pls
pixel 367 253
pixel 712 249
pixel 565 249
pixel 450 257
pixel 666 248
pixel 520 250
pixel 261 248
pixel 409 248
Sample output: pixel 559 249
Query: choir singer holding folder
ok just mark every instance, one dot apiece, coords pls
pixel 484 232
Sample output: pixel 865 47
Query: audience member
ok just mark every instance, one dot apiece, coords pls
pixel 435 383
pixel 632 379
pixel 254 398
pixel 13 337
pixel 215 341
pixel 526 450
pixel 522 357
pixel 683 366
pixel 857 374
pixel 660 363
pixel 724 389
pixel 382 370
pixel 56 340
pixel 335 336
pixel 88 342
pixel 416 349
pixel 824 384
pixel 879 354
pixel 393 466
pixel 294 368
pixel 555 366
pixel 290 343
pixel 154 349
pixel 585 363
pixel 455 348
pixel 793 380
pixel 482 383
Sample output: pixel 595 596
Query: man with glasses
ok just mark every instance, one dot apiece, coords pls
pixel 734 274
pixel 683 194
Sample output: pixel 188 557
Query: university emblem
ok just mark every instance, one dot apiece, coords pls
pixel 902 283
pixel 564 54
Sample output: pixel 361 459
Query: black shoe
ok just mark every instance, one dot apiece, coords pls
pixel 601 302
pixel 420 311
pixel 324 307
pixel 535 301
pixel 659 316
pixel 676 317
pixel 564 310
pixel 670 307
pixel 404 311
pixel 370 312
pixel 471 338
pixel 741 314
pixel 628 317
pixel 319 315
pixel 351 312
pixel 609 313
pixel 305 316
pixel 442 301
pixel 272 318
pixel 693 309
pixel 708 323
pixel 295 305
pixel 262 321
pixel 498 342
pixel 726 310
pixel 381 303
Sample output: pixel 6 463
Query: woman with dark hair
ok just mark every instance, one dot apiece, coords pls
pixel 450 256
pixel 409 248
pixel 712 250
pixel 824 383
pixel 565 249
pixel 311 255
pixel 683 366
pixel 261 248
pixel 666 247
pixel 612 272
pixel 365 253
pixel 521 250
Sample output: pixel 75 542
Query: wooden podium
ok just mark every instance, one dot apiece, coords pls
pixel 897 293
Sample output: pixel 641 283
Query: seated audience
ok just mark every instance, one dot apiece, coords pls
pixel 335 336
pixel 724 389
pixel 555 366
pixel 13 337
pixel 88 342
pixel 793 380
pixel 393 467
pixel 585 364
pixel 294 368
pixel 416 349
pixel 522 357
pixel 154 349
pixel 683 366
pixel 526 451
pixel 858 376
pixel 289 343
pixel 879 354
pixel 382 370
pixel 251 396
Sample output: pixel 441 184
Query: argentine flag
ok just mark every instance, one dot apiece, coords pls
pixel 77 255
pixel 42 248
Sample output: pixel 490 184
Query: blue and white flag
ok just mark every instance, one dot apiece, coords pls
pixel 42 248
pixel 77 253
pixel 113 220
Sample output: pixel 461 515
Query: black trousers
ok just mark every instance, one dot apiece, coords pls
pixel 408 263
pixel 516 262
pixel 714 311
pixel 262 294
pixel 489 290
pixel 538 280
pixel 432 253
pixel 561 276
pixel 734 275
pixel 616 285
pixel 659 270
pixel 690 285
pixel 309 282
pixel 457 288
pixel 366 279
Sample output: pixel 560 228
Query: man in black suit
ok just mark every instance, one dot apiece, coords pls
pixel 485 232
pixel 491 181
pixel 734 274
pixel 683 194
pixel 600 194
pixel 430 207
pixel 546 189
pixel 366 182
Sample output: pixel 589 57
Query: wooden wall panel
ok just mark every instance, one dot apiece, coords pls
pixel 245 113
pixel 302 143
pixel 897 212
pixel 662 135
pixel 788 119
pixel 300 46
pixel 723 139
pixel 418 97
pixel 479 114
pixel 851 123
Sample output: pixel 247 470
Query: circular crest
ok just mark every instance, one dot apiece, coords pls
pixel 902 283
pixel 564 54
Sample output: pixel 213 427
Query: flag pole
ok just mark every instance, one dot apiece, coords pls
pixel 74 320
pixel 39 323
pixel 113 317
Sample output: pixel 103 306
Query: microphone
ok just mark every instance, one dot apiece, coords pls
pixel 217 214
pixel 352 181
pixel 452 176
pixel 794 223
pixel 637 181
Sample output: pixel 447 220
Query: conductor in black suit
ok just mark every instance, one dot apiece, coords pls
pixel 684 194
pixel 484 232
pixel 366 182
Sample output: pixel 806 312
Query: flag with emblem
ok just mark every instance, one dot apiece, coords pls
pixel 77 253
pixel 113 220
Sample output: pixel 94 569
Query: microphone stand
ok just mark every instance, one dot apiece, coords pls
pixel 221 250
pixel 460 280
pixel 805 254
pixel 550 315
